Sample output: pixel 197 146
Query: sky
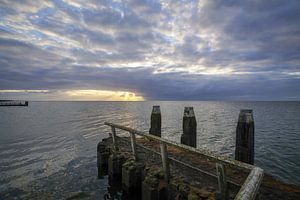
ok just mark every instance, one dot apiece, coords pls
pixel 134 50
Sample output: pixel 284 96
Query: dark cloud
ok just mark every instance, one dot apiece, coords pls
pixel 169 50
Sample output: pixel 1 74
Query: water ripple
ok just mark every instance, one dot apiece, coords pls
pixel 55 139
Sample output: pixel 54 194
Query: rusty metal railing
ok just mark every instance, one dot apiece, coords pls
pixel 249 188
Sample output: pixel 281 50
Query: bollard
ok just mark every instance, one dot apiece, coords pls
pixel 244 149
pixel 155 121
pixel 189 126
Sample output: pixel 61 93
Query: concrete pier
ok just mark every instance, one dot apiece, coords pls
pixel 244 149
pixel 189 126
pixel 155 128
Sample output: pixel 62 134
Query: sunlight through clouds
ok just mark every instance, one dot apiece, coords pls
pixel 103 95
pixel 73 95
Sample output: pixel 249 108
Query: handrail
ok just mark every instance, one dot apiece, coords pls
pixel 204 152
pixel 249 188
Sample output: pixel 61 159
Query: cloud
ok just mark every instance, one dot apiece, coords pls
pixel 158 49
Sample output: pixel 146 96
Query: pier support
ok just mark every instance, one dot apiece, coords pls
pixel 244 149
pixel 103 153
pixel 153 186
pixel 115 163
pixel 132 176
pixel 155 121
pixel 189 126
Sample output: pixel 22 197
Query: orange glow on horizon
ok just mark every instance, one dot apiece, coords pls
pixel 72 95
pixel 103 95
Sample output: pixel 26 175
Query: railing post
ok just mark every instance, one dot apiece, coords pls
pixel 114 138
pixel 133 147
pixel 155 128
pixel 165 162
pixel 222 182
pixel 189 126
pixel 244 149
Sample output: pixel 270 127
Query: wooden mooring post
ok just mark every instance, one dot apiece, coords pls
pixel 189 126
pixel 244 149
pixel 155 128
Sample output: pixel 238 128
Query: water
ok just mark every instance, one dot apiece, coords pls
pixel 49 148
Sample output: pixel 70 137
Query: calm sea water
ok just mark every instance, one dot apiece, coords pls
pixel 49 148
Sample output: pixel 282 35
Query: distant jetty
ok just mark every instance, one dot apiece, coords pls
pixel 13 103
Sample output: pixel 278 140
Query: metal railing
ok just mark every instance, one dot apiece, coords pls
pixel 249 188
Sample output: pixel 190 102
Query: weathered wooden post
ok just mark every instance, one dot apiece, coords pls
pixel 189 126
pixel 155 128
pixel 103 153
pixel 132 176
pixel 222 182
pixel 133 146
pixel 244 149
pixel 165 162
pixel 114 138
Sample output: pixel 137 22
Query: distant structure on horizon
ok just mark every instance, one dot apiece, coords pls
pixel 13 103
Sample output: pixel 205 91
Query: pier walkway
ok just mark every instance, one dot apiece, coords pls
pixel 187 172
